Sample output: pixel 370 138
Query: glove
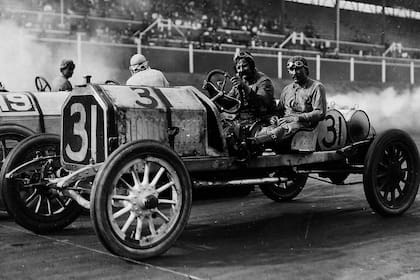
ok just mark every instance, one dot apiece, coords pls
pixel 236 81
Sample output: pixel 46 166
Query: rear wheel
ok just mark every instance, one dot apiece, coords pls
pixel 10 136
pixel 28 197
pixel 391 175
pixel 141 200
pixel 285 190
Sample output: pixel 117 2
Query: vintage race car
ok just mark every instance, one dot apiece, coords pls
pixel 132 155
pixel 23 114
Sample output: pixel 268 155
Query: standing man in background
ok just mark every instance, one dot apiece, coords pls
pixel 143 75
pixel 62 83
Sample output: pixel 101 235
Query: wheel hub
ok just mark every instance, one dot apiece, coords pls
pixel 144 200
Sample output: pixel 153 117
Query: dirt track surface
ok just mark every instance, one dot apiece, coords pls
pixel 328 232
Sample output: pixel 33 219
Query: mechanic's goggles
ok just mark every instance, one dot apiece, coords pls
pixel 295 64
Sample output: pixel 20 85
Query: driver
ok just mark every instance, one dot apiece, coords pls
pixel 256 92
pixel 62 83
pixel 143 75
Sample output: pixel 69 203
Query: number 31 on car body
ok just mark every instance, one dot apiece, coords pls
pixel 83 131
pixel 332 131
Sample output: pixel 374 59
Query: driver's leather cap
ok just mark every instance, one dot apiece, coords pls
pixel 245 55
pixel 67 63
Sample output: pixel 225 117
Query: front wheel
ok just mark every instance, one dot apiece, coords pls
pixel 141 200
pixel 285 190
pixel 28 197
pixel 391 175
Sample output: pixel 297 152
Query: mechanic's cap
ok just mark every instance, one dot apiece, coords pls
pixel 67 63
pixel 297 62
pixel 137 59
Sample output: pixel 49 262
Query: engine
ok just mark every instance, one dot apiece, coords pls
pixel 96 119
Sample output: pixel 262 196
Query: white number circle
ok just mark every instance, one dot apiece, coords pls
pixel 332 131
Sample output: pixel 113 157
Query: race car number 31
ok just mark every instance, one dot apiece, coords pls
pixel 83 131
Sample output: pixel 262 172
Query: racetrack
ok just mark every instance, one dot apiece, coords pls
pixel 327 232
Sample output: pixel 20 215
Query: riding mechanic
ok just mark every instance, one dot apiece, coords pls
pixel 302 104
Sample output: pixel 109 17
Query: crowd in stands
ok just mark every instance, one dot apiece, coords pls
pixel 207 23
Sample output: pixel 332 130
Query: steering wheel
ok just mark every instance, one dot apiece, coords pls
pixel 41 84
pixel 217 84
pixel 111 82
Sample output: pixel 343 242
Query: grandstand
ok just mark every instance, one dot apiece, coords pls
pixel 369 30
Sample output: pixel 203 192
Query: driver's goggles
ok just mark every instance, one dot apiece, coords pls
pixel 138 67
pixel 242 55
pixel 295 64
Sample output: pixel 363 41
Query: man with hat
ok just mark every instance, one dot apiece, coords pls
pixel 256 92
pixel 302 104
pixel 143 75
pixel 62 83
pixel 253 88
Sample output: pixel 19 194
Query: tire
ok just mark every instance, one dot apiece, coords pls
pixel 27 198
pixel 162 214
pixel 391 175
pixel 285 191
pixel 10 136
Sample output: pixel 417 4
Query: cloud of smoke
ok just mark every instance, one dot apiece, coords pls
pixel 23 58
pixel 389 108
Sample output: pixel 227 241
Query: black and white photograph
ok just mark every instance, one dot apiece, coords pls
pixel 210 139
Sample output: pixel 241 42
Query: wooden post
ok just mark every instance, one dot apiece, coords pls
pixel 191 58
pixel 279 66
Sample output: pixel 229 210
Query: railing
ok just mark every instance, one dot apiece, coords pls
pixel 349 63
pixel 293 41
pixel 189 59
